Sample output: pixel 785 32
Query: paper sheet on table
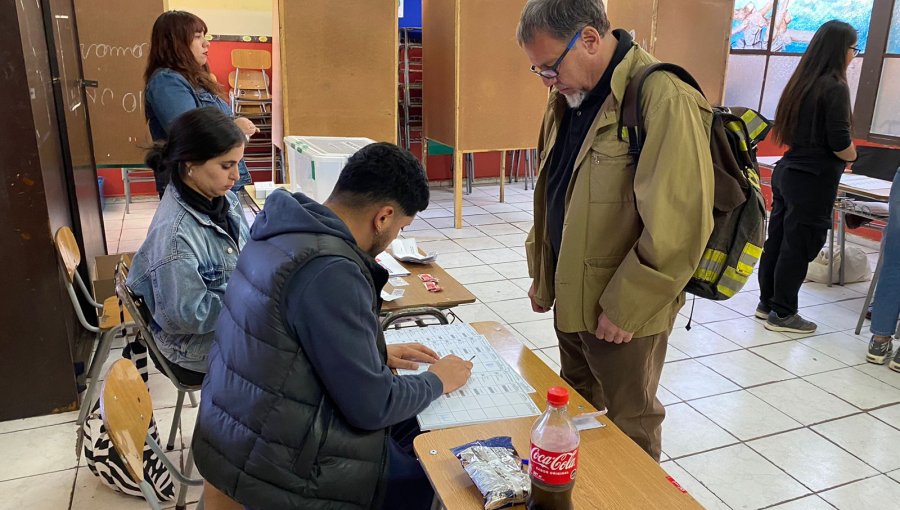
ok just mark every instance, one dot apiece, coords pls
pixel 494 391
pixel 390 263
pixel 393 295
pixel 864 182
pixel 407 251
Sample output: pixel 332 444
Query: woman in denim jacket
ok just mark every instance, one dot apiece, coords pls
pixel 182 268
pixel 178 80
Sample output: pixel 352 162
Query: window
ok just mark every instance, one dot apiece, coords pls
pixel 886 119
pixel 765 50
pixel 769 37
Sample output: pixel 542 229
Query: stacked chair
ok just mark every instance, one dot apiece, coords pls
pixel 251 97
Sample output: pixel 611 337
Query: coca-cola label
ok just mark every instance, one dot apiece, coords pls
pixel 553 468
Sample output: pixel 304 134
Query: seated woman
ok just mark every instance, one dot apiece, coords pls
pixel 193 243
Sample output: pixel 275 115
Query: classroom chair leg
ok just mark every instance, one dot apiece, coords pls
pixel 93 387
pixel 182 491
pixel 170 445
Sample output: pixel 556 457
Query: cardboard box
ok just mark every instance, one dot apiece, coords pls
pixel 103 275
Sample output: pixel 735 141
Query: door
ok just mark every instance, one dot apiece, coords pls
pixel 71 108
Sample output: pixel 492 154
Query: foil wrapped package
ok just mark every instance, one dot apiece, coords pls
pixel 496 469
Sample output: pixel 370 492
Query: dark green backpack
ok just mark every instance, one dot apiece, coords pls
pixel 739 212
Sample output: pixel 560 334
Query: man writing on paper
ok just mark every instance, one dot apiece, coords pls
pixel 613 245
pixel 300 408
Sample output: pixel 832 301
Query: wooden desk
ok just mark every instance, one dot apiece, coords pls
pixel 417 296
pixel 612 470
pixel 870 188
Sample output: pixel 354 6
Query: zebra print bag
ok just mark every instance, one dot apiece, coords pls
pixel 104 461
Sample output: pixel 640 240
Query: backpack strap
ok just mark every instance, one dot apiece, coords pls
pixel 631 118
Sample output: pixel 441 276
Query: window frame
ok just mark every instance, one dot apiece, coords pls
pixel 870 74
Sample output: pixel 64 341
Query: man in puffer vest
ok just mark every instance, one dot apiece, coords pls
pixel 300 408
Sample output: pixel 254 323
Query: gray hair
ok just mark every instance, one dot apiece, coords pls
pixel 560 18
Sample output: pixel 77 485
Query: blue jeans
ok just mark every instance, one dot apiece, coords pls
pixel 408 487
pixel 886 307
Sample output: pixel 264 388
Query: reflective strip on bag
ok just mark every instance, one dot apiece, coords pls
pixel 731 282
pixel 753 177
pixel 711 264
pixel 748 259
pixel 736 128
pixel 755 124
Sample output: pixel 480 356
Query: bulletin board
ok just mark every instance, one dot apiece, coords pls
pixel 704 53
pixel 339 65
pixel 694 34
pixel 115 45
pixel 439 20
pixel 501 102
pixel 479 94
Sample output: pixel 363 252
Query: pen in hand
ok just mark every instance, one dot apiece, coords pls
pixel 473 357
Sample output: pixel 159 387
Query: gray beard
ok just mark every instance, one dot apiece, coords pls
pixel 575 99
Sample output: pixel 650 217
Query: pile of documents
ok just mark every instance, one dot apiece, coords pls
pixel 407 251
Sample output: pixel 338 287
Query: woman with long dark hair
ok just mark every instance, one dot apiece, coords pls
pixel 182 268
pixel 813 119
pixel 177 79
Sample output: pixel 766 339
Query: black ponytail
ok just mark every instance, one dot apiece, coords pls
pixel 195 136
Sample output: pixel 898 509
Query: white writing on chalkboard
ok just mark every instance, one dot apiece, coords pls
pixel 108 50
pixel 131 102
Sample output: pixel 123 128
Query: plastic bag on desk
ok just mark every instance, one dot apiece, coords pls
pixel 496 469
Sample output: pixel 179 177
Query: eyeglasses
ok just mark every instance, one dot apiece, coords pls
pixel 552 72
pixel 855 51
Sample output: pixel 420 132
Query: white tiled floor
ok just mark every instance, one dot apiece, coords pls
pixel 755 419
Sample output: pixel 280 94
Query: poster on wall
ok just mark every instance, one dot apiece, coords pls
pixel 894 39
pixel 793 22
pixel 750 25
pixel 399 8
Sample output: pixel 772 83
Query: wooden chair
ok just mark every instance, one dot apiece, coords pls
pixel 249 81
pixel 111 321
pixel 135 306
pixel 251 59
pixel 217 500
pixel 126 408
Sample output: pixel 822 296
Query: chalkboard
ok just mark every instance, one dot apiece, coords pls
pixel 114 36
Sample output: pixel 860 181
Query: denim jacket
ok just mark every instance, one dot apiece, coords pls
pixel 181 271
pixel 168 95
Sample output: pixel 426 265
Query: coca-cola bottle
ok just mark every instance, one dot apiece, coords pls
pixel 554 455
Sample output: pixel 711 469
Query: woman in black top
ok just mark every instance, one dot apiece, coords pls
pixel 813 119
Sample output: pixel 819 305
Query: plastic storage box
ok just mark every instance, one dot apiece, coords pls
pixel 315 162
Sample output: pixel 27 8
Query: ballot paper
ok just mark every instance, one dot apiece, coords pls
pixel 390 263
pixel 398 282
pixel 494 391
pixel 392 296
pixel 407 251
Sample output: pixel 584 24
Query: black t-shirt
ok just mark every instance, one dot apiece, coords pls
pixel 824 128
pixel 572 130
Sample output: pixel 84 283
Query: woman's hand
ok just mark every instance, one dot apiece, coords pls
pixel 406 355
pixel 246 126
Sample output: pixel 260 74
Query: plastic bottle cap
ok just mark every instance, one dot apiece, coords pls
pixel 557 396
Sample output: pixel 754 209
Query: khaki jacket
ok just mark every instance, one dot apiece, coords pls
pixel 631 238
